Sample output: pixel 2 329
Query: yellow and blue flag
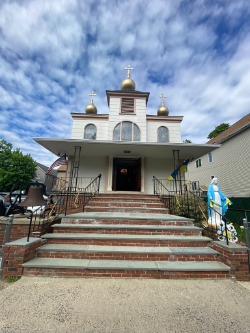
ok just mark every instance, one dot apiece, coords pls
pixel 181 168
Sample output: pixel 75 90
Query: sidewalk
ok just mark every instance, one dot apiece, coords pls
pixel 124 305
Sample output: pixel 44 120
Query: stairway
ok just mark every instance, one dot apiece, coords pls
pixel 126 235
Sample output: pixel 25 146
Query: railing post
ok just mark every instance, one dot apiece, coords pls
pixel 6 238
pixel 154 184
pixel 31 220
pixel 8 229
pixel 99 180
pixel 246 228
pixel 225 223
pixel 67 198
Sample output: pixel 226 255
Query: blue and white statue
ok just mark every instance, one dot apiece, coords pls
pixel 217 207
pixel 217 203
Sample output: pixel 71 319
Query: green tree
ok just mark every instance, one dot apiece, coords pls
pixel 15 167
pixel 220 128
pixel 187 141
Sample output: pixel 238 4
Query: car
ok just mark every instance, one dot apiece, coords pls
pixel 37 210
pixel 4 197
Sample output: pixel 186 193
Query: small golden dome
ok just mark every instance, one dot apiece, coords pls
pixel 91 108
pixel 128 84
pixel 163 111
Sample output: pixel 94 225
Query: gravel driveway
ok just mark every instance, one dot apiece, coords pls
pixel 124 305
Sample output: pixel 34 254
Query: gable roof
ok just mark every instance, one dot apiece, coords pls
pixel 233 130
pixel 44 168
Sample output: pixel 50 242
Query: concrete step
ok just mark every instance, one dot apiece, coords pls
pixel 127 239
pixel 127 228
pixel 122 203
pixel 124 268
pixel 127 195
pixel 134 199
pixel 126 209
pixel 126 218
pixel 74 251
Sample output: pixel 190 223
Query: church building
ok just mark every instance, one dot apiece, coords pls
pixel 127 146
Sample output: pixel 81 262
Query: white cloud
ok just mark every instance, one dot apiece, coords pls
pixel 54 53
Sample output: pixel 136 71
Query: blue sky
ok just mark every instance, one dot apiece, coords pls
pixel 54 53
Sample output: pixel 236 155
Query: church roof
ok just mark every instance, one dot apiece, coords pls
pixel 233 130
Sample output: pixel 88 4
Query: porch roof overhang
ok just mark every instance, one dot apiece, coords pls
pixel 93 148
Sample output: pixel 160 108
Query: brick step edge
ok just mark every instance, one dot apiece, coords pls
pixel 130 250
pixel 100 221
pixel 127 256
pixel 125 226
pixel 126 205
pixel 121 199
pixel 125 237
pixel 127 265
pixel 125 209
pixel 141 232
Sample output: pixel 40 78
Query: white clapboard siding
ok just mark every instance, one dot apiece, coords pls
pixel 92 167
pixel 173 128
pixel 231 165
pixel 79 125
pixel 139 117
pixel 160 168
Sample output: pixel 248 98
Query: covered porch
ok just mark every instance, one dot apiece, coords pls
pixel 124 166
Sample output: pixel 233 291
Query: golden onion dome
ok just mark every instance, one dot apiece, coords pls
pixel 163 110
pixel 128 84
pixel 91 108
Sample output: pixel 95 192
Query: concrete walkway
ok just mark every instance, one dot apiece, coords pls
pixel 124 305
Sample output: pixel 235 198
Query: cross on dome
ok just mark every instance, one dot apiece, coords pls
pixel 162 99
pixel 92 95
pixel 128 69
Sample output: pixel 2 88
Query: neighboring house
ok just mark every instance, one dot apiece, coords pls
pixel 230 163
pixel 126 146
pixel 62 171
pixel 41 176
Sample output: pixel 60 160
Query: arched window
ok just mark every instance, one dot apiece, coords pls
pixel 90 132
pixel 162 134
pixel 126 131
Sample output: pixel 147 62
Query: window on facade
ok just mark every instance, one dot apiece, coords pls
pixel 90 132
pixel 210 157
pixel 127 105
pixel 198 163
pixel 126 131
pixel 162 134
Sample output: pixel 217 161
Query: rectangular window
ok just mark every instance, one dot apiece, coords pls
pixel 127 105
pixel 210 157
pixel 198 163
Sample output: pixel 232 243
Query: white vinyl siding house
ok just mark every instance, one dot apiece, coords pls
pixel 230 164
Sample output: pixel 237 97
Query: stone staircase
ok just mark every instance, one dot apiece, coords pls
pixel 126 235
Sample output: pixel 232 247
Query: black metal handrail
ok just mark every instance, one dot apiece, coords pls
pixel 60 203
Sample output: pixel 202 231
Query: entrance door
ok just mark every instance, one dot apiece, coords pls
pixel 126 174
